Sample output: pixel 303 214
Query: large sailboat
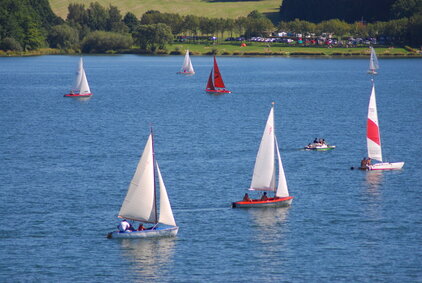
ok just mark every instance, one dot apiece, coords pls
pixel 187 68
pixel 373 62
pixel 80 87
pixel 373 139
pixel 141 201
pixel 264 174
pixel 215 82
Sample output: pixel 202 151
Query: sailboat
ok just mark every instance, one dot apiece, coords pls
pixel 140 203
pixel 264 174
pixel 215 82
pixel 80 87
pixel 187 68
pixel 373 139
pixel 373 62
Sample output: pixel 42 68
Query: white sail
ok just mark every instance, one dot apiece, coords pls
pixel 282 190
pixel 84 87
pixel 77 83
pixel 139 203
pixel 264 174
pixel 166 214
pixel 373 138
pixel 373 61
pixel 187 64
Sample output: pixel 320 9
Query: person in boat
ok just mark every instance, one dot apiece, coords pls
pixel 246 197
pixel 125 226
pixel 264 196
pixel 363 163
pixel 316 140
pixel 141 227
pixel 368 162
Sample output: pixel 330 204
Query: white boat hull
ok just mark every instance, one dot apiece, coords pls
pixel 386 166
pixel 158 232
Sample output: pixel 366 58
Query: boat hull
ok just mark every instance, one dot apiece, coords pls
pixel 185 73
pixel 271 202
pixel 77 95
pixel 386 166
pixel 218 91
pixel 321 148
pixel 156 233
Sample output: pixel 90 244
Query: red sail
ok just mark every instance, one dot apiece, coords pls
pixel 218 80
pixel 210 84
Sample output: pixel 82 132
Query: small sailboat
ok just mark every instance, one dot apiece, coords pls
pixel 140 203
pixel 373 62
pixel 373 139
pixel 187 68
pixel 80 87
pixel 215 82
pixel 264 174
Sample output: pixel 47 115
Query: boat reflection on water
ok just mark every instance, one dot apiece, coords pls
pixel 373 180
pixel 270 223
pixel 150 257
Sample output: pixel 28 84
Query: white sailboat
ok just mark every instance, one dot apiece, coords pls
pixel 373 62
pixel 187 68
pixel 140 203
pixel 373 139
pixel 80 87
pixel 264 174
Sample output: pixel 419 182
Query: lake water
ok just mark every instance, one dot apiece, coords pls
pixel 66 165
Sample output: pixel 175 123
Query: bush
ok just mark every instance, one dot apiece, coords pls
pixel 9 43
pixel 102 41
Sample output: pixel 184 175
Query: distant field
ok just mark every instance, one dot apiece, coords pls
pixel 206 8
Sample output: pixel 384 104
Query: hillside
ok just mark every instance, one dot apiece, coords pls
pixel 206 8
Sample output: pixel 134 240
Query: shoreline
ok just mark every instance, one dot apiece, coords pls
pixel 230 50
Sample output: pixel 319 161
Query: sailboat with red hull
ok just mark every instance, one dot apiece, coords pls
pixel 215 83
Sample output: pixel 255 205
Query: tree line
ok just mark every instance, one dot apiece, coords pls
pixel 400 20
pixel 31 24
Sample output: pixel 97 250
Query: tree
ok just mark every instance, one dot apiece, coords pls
pixel 114 20
pixel 131 21
pixel 151 37
pixel 64 36
pixel 97 16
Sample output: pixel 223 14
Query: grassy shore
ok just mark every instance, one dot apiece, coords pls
pixel 262 49
pixel 254 49
pixel 206 8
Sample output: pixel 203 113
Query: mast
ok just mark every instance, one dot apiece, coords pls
pixel 153 174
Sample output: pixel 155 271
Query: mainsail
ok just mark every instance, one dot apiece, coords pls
pixel 264 171
pixel 373 61
pixel 187 65
pixel 373 138
pixel 139 203
pixel 77 83
pixel 218 79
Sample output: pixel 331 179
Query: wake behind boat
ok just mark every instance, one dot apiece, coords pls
pixel 264 174
pixel 80 87
pixel 187 68
pixel 373 140
pixel 140 203
pixel 215 84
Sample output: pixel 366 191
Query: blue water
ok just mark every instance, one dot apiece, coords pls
pixel 66 165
